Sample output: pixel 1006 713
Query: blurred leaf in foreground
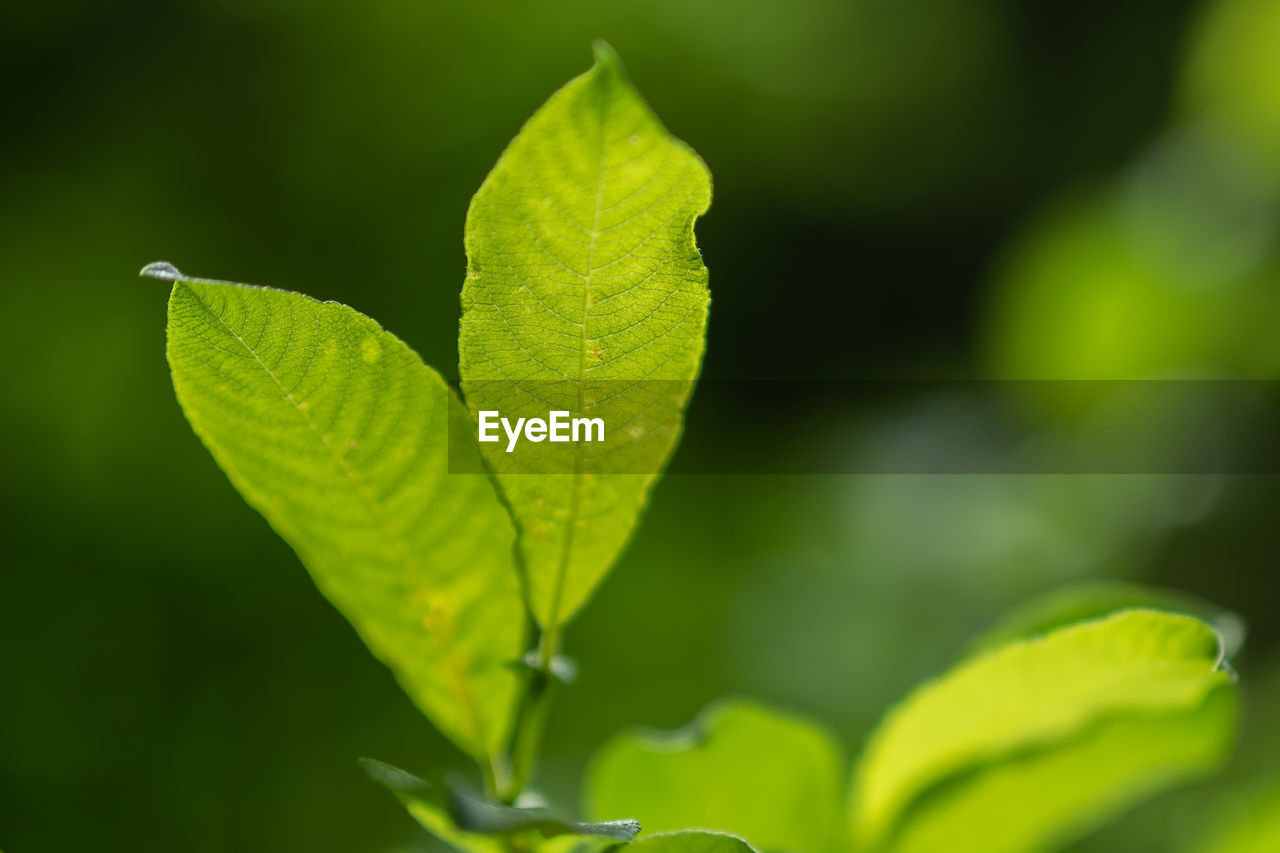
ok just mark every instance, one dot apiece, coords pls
pixel 337 433
pixel 1113 285
pixel 741 767
pixel 1078 602
pixel 1074 726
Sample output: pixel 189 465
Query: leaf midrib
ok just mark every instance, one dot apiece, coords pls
pixel 575 493
pixel 399 546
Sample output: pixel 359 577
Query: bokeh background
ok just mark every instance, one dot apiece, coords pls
pixel 954 189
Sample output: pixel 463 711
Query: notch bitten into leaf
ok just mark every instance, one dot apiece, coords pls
pixel 585 293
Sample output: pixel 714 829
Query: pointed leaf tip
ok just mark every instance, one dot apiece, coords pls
pixel 612 321
pixel 606 57
pixel 392 777
pixel 161 270
pixel 363 544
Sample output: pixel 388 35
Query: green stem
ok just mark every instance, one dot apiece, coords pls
pixel 548 648
pixel 534 710
pixel 489 772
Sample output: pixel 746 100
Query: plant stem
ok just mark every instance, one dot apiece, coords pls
pixel 534 709
pixel 548 647
pixel 489 772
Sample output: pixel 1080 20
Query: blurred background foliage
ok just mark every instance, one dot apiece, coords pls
pixel 903 190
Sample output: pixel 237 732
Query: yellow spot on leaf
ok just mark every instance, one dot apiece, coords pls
pixel 370 349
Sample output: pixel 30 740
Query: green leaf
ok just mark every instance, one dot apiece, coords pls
pixel 1079 602
pixel 454 813
pixel 584 293
pixel 772 778
pixel 337 433
pixel 1250 825
pixel 1072 726
pixel 690 841
pixel 1064 792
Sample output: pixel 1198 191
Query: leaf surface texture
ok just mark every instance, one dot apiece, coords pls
pixel 584 293
pixel 1073 725
pixel 337 433
pixel 772 778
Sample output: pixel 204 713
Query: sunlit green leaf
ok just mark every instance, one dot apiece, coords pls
pixel 770 777
pixel 337 433
pixel 1076 603
pixel 690 841
pixel 1051 796
pixel 1073 726
pixel 584 293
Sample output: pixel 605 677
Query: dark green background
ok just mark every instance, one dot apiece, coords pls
pixel 886 175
